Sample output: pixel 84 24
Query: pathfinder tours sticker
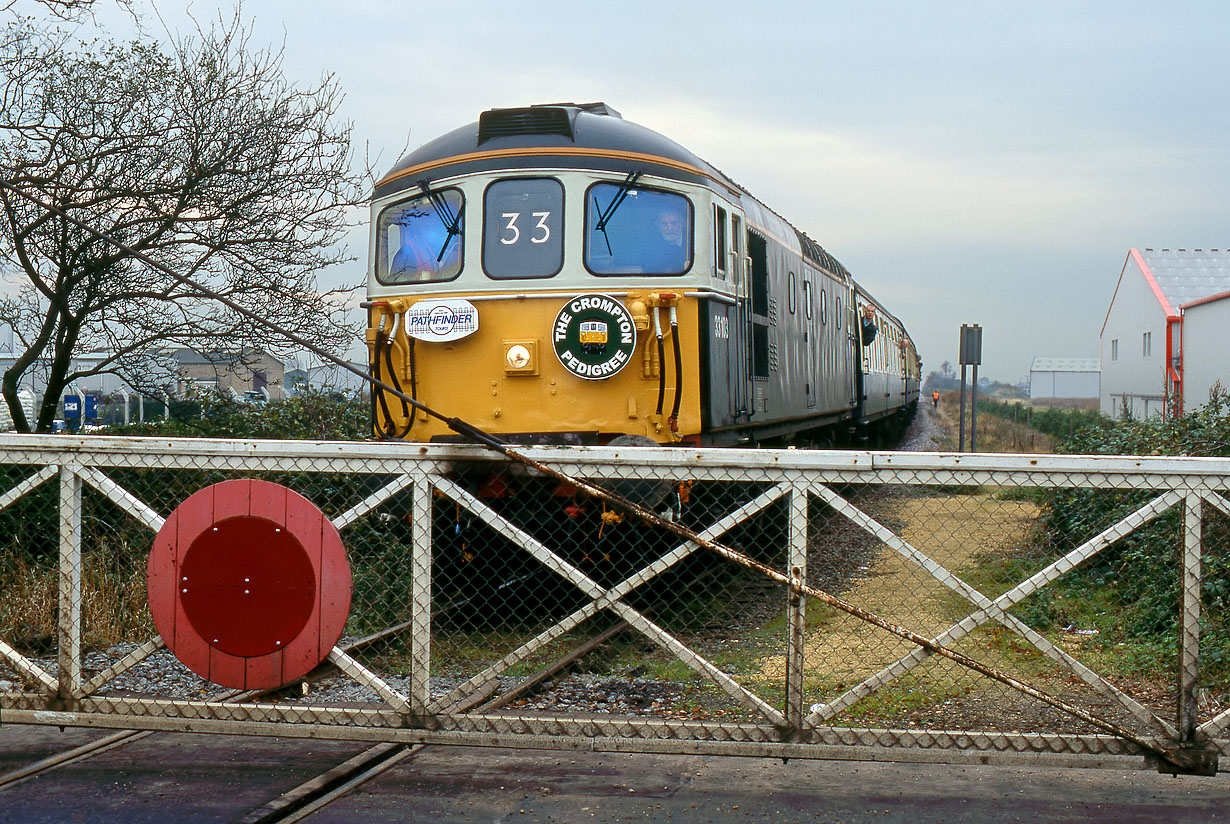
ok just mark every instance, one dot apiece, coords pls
pixel 594 336
pixel 442 319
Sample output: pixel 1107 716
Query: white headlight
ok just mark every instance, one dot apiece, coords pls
pixel 518 357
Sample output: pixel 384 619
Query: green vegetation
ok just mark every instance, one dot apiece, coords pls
pixel 1058 422
pixel 1131 593
pixel 312 414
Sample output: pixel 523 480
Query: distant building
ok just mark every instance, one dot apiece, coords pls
pixel 1064 378
pixel 328 377
pixel 26 398
pixel 334 377
pixel 1154 362
pixel 1205 325
pixel 102 383
pixel 232 372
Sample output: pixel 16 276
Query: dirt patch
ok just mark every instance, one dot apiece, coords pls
pixel 951 531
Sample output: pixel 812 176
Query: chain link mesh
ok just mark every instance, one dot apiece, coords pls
pixel 489 600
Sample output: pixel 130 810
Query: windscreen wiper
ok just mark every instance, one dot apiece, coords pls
pixel 452 222
pixel 609 212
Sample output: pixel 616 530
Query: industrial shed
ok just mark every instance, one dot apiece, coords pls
pixel 1064 378
pixel 1153 362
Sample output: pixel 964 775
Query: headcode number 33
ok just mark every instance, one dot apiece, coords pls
pixel 512 233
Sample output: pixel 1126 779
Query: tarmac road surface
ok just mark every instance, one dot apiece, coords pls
pixel 204 778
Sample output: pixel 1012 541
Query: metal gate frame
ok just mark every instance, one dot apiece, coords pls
pixel 64 697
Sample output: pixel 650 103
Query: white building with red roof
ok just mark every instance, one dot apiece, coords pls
pixel 1164 341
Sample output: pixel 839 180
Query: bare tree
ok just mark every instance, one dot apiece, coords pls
pixel 199 155
pixel 63 9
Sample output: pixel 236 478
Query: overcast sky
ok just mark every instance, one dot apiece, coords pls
pixel 969 162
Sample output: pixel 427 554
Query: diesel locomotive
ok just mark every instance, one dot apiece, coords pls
pixel 558 274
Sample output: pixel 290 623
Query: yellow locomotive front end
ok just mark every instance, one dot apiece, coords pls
pixel 543 367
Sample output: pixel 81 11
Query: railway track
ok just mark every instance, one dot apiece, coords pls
pixel 296 804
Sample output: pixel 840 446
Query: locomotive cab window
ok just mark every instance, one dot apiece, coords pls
pixel 632 231
pixel 419 240
pixel 523 228
pixel 719 241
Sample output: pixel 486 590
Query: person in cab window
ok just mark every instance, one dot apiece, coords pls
pixel 867 330
pixel 666 248
pixel 413 261
pixel 427 251
pixel 670 225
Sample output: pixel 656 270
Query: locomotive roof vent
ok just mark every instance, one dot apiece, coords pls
pixel 552 118
pixel 592 108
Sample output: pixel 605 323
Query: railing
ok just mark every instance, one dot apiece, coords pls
pixel 899 606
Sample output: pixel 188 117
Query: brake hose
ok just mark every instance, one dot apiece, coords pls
pixel 380 410
pixel 674 419
pixel 657 327
pixel 406 410
pixel 384 350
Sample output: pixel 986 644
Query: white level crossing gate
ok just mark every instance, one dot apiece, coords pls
pixel 797 604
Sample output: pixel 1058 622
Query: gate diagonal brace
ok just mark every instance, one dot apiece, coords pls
pixel 996 609
pixel 615 593
pixel 599 597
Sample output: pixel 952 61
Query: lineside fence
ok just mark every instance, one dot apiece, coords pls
pixel 928 607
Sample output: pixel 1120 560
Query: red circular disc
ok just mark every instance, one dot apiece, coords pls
pixel 248 584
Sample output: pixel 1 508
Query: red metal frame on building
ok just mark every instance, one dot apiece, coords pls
pixel 1172 371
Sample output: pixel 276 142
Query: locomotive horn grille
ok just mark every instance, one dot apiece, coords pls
pixel 509 122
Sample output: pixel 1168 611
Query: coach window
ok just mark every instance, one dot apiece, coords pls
pixel 632 231
pixel 719 241
pixel 419 240
pixel 523 221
